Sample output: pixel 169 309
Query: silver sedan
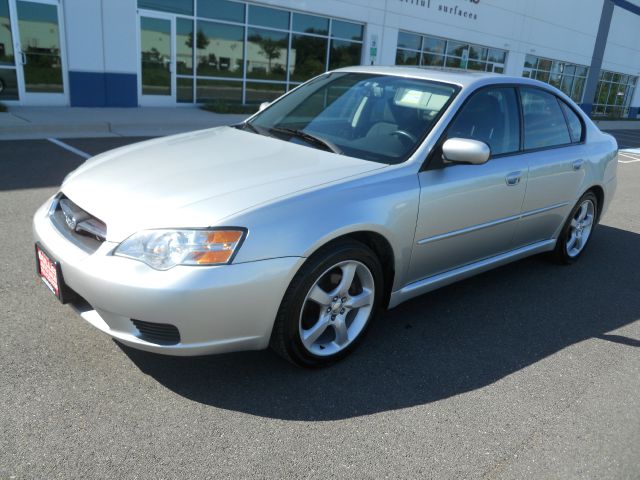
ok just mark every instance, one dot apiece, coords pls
pixel 355 192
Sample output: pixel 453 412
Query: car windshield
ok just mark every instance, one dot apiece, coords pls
pixel 381 118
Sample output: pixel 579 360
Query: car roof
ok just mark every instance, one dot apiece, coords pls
pixel 457 77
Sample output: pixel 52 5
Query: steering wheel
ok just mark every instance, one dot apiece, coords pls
pixel 403 134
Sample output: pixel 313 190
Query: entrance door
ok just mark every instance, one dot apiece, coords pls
pixel 8 75
pixel 157 59
pixel 41 65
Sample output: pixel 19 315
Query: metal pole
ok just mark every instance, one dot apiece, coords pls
pixel 598 54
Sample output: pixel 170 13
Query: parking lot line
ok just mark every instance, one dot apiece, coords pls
pixel 71 149
pixel 629 156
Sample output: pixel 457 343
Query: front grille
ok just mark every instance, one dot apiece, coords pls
pixel 160 333
pixel 77 225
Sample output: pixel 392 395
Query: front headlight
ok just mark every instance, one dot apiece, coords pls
pixel 164 249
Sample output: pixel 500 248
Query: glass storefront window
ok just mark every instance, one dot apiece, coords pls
pixel 185 44
pixel 8 76
pixel 439 52
pixel 185 90
pixel 344 54
pixel 184 7
pixel 456 48
pixel 8 84
pixel 614 93
pixel 497 56
pixel 155 56
pixel 308 57
pixel 531 61
pixel 568 77
pixel 244 52
pixel 40 40
pixel 6 39
pixel 218 90
pixel 346 30
pixel 267 54
pixel 409 40
pixel 544 64
pixel 264 92
pixel 310 24
pixel 220 52
pixel 407 57
pixel 432 60
pixel 478 53
pixel 221 10
pixel 268 17
pixel 434 45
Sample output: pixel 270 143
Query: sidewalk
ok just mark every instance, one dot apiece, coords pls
pixel 64 122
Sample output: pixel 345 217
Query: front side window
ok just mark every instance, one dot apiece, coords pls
pixel 544 122
pixel 374 117
pixel 490 116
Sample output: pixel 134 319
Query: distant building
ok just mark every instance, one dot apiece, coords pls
pixel 170 52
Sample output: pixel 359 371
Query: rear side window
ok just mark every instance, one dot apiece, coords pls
pixel 573 121
pixel 491 116
pixel 544 122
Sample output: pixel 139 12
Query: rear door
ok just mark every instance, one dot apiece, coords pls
pixel 556 156
pixel 469 212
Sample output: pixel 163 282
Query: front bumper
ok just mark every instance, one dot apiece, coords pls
pixel 216 309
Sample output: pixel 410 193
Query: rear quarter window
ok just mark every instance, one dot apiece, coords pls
pixel 573 122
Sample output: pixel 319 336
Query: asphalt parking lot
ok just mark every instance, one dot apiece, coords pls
pixel 528 371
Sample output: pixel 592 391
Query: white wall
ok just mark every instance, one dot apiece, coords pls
pixel 83 30
pixel 557 29
pixel 101 35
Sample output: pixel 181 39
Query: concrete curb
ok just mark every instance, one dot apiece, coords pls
pixel 65 122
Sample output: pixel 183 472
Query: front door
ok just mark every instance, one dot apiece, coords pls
pixel 469 212
pixel 157 59
pixel 40 53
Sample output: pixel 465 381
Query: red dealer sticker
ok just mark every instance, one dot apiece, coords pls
pixel 48 271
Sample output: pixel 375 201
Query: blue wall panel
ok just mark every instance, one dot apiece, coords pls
pixel 87 89
pixel 122 89
pixel 99 89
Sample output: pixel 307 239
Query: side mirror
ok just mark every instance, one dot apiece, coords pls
pixel 465 150
pixel 263 105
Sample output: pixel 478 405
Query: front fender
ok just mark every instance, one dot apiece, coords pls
pixel 385 202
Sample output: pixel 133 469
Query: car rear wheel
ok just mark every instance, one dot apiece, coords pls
pixel 576 232
pixel 329 305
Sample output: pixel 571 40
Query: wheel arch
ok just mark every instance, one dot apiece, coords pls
pixel 598 191
pixel 378 243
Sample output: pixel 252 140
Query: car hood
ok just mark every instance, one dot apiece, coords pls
pixel 198 179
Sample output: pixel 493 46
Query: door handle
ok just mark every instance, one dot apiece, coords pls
pixel 577 165
pixel 513 178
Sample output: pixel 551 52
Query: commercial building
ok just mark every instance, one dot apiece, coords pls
pixel 172 52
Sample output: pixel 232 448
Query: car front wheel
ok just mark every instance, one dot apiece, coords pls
pixel 329 305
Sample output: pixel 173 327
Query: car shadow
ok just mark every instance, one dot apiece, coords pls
pixel 454 340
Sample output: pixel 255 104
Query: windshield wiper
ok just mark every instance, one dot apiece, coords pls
pixel 253 128
pixel 326 144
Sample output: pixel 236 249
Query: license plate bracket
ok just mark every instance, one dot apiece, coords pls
pixel 50 273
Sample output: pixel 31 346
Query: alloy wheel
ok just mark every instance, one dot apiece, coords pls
pixel 337 308
pixel 580 228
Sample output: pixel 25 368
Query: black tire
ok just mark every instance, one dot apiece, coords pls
pixel 561 253
pixel 286 336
